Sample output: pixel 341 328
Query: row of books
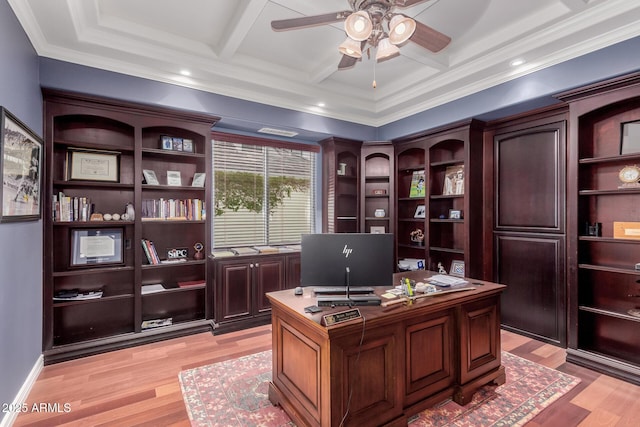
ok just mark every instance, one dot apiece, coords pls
pixel 66 208
pixel 177 209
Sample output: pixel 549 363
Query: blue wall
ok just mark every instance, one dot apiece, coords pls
pixel 21 248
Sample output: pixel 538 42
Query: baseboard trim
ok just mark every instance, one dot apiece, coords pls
pixel 10 417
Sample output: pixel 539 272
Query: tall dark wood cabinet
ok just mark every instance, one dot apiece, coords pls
pixel 450 217
pixel 604 289
pixel 377 192
pixel 341 185
pixel 529 157
pixel 96 151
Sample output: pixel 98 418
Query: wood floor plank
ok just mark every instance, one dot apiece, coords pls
pixel 140 386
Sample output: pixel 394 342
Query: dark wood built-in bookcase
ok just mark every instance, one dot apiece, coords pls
pixel 128 137
pixel 603 282
pixel 449 216
pixel 341 185
pixel 377 193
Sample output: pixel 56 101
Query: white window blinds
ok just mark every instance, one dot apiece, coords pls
pixel 263 195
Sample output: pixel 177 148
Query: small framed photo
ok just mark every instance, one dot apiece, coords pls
pixel 174 179
pixel 21 154
pixel 187 145
pixel 177 144
pixel 90 165
pixel 150 177
pixel 199 179
pixel 457 268
pixel 166 142
pixel 420 212
pixel 453 181
pixel 90 247
pixel 630 137
pixel 455 214
pixel 377 229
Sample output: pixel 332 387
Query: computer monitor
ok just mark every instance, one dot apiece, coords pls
pixel 326 257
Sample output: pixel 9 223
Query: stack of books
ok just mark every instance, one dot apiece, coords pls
pixel 76 295
pixel 150 252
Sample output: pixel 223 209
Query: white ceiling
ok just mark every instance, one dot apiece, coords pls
pixel 230 49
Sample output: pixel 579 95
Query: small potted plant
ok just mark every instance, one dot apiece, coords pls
pixel 417 237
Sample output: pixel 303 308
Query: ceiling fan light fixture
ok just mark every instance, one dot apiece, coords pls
pixel 401 28
pixel 386 49
pixel 358 25
pixel 351 48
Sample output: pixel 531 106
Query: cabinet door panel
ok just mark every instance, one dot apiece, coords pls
pixel 235 292
pixel 269 277
pixel 428 356
pixel 533 269
pixel 530 179
pixel 479 338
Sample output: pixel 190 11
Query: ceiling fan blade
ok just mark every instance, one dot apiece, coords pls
pixel 407 3
pixel 347 62
pixel 429 38
pixel 309 21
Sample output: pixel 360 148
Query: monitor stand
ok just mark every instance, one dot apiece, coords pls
pixel 348 300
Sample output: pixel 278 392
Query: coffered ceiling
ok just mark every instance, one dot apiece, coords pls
pixel 228 47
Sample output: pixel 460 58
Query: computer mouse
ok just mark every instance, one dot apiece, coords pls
pixel 298 291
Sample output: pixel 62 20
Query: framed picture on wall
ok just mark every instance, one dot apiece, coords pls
pixel 21 170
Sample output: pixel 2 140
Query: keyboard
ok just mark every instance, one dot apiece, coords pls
pixel 353 300
pixel 342 290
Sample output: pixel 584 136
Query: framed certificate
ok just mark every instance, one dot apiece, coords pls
pixel 174 179
pixel 198 179
pixel 88 165
pixel 90 247
pixel 150 177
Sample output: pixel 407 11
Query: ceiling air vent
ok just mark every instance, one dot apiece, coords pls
pixel 278 132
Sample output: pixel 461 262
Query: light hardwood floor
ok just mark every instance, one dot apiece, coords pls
pixel 139 386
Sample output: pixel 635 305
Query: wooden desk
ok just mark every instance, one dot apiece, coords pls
pixel 392 363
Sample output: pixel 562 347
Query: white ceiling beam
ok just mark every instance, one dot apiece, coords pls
pixel 239 26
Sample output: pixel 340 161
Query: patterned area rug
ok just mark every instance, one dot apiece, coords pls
pixel 234 393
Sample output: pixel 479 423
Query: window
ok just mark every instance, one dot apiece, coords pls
pixel 264 191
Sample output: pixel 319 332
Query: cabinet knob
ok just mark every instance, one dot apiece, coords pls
pixel 257 264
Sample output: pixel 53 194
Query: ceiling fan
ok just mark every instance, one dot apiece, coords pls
pixel 364 27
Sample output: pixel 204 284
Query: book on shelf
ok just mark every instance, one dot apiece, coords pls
pixel 76 295
pixel 150 251
pixel 152 288
pixel 417 188
pixel 156 323
pixel 189 283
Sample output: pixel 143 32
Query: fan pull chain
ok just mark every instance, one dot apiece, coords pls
pixel 374 84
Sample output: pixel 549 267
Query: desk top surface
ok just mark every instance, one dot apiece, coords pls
pixel 295 304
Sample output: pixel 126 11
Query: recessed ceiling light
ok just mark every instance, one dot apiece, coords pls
pixel 517 62
pixel 185 72
pixel 320 104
